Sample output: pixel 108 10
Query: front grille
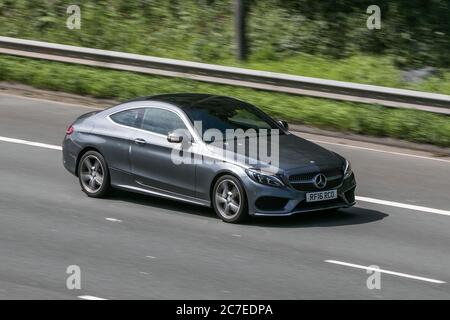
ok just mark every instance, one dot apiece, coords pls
pixel 309 186
pixel 304 181
pixel 310 175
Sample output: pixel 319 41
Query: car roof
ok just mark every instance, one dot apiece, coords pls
pixel 184 100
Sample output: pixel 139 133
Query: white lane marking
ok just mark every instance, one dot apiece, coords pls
pixel 31 143
pixel 403 205
pixel 90 298
pixel 365 199
pixel 113 219
pixel 236 235
pixel 382 151
pixel 150 257
pixel 405 275
pixel 51 101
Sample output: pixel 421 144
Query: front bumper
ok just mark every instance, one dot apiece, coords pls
pixel 271 201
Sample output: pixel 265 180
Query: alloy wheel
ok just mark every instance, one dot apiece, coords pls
pixel 228 198
pixel 92 174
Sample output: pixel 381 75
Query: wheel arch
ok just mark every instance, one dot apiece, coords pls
pixel 221 174
pixel 82 153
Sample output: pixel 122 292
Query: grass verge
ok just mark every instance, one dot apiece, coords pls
pixel 366 69
pixel 410 125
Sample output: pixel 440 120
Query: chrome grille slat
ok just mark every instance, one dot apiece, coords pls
pixel 304 181
pixel 310 175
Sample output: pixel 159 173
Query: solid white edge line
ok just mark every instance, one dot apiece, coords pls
pixel 378 150
pixel 363 199
pixel 405 275
pixel 31 143
pixel 403 205
pixel 90 298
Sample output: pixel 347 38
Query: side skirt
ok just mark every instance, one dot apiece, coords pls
pixel 165 195
pixel 126 181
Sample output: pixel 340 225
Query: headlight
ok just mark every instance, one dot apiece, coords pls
pixel 347 169
pixel 269 180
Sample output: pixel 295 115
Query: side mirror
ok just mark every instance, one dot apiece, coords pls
pixel 284 124
pixel 174 137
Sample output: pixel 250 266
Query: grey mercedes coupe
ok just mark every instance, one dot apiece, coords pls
pixel 172 146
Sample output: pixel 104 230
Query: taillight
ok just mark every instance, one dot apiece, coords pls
pixel 69 130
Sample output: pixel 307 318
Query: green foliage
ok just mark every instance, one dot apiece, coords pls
pixel 412 125
pixel 326 39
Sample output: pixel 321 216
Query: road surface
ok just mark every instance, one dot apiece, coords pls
pixel 138 247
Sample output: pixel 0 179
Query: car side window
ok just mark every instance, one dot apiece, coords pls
pixel 161 121
pixel 130 118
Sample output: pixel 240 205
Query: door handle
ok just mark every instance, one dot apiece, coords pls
pixel 139 141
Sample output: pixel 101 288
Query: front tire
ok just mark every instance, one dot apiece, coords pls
pixel 93 175
pixel 229 200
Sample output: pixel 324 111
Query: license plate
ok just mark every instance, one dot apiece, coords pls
pixel 321 196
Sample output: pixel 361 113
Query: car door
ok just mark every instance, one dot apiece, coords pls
pixel 114 138
pixel 151 155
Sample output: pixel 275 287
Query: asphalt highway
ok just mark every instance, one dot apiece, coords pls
pixel 138 247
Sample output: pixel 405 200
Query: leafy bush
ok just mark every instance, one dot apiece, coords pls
pixel 325 39
pixel 414 32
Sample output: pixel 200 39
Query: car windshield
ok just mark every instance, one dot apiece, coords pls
pixel 224 114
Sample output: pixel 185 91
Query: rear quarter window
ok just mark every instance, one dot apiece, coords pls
pixel 130 118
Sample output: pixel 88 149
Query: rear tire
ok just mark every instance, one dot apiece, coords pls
pixel 229 200
pixel 93 175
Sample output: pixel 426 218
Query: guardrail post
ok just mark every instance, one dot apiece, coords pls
pixel 240 14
